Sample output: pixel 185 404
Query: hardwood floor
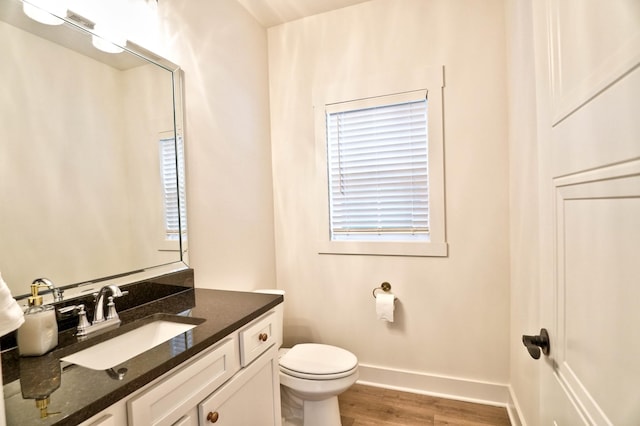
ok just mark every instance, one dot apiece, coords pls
pixel 370 406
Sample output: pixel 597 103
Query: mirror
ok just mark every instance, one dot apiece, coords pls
pixel 91 164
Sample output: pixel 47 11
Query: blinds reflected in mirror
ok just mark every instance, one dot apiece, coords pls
pixel 172 172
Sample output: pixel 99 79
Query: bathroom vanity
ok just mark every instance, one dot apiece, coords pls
pixel 224 370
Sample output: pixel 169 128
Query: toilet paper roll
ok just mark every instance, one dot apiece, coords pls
pixel 384 306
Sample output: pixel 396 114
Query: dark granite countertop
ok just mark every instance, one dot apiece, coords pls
pixel 78 393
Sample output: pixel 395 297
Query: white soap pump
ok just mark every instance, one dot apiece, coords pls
pixel 39 333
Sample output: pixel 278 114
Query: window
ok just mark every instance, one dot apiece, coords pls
pixel 173 188
pixel 377 166
pixel 380 151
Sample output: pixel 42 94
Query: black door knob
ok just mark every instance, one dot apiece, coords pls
pixel 536 344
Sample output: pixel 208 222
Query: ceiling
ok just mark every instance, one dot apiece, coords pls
pixel 275 12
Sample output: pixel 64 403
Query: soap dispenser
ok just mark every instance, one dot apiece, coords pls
pixel 39 333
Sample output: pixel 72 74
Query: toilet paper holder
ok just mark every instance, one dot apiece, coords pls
pixel 386 287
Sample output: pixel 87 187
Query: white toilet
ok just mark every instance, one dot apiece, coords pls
pixel 311 378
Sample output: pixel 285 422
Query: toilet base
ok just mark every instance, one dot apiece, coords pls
pixel 296 412
pixel 322 413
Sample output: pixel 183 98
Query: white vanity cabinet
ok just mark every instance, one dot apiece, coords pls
pixel 165 403
pixel 235 382
pixel 250 398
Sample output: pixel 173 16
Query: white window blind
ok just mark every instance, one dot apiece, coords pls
pixel 173 188
pixel 378 170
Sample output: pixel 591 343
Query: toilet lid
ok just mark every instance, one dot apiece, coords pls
pixel 313 360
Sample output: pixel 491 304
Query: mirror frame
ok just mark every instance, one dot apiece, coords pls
pixel 93 285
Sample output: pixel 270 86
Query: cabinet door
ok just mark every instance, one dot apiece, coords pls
pixel 250 398
pixel 166 402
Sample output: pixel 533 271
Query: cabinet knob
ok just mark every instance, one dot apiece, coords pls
pixel 263 337
pixel 213 416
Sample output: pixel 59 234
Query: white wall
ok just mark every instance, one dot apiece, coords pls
pixel 452 313
pixel 223 52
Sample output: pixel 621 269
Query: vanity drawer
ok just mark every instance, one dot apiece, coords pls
pixel 257 338
pixel 167 401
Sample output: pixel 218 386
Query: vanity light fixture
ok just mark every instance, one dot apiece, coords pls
pixel 45 11
pixel 80 20
pixel 107 39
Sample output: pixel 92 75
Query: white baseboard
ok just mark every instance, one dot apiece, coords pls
pixel 496 394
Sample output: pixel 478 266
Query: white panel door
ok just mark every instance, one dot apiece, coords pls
pixel 588 56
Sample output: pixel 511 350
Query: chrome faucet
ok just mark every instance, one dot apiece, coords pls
pixel 99 321
pixel 98 314
pixel 57 293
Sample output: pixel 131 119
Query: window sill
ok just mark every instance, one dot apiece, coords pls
pixel 366 248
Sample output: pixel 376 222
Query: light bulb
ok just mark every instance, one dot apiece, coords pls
pixel 45 11
pixel 107 40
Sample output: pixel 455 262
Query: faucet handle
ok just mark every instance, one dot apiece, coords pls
pixel 112 313
pixel 83 322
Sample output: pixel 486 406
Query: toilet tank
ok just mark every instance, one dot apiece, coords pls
pixel 279 312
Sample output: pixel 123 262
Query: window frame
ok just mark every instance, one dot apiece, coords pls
pixel 429 80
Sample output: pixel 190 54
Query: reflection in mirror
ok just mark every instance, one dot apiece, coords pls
pixel 91 185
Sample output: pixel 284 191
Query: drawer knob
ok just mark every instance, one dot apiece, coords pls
pixel 213 416
pixel 263 337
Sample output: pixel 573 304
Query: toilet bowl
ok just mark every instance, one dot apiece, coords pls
pixel 311 378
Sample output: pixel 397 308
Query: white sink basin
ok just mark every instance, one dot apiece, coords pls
pixel 118 349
